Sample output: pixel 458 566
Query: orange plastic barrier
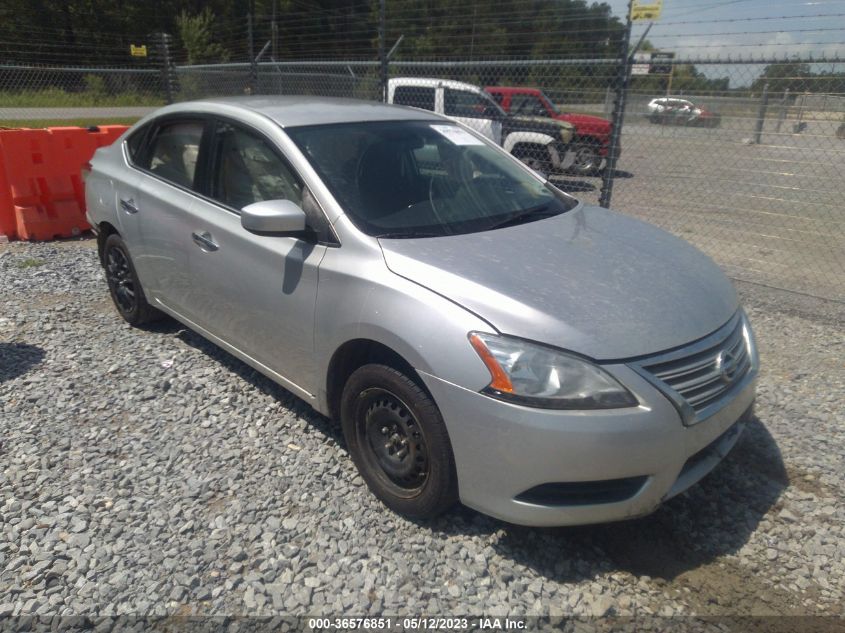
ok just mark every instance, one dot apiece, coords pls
pixel 42 195
pixel 7 215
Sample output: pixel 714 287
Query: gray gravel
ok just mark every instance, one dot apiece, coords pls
pixel 148 472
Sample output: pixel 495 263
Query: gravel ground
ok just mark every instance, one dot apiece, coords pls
pixel 149 472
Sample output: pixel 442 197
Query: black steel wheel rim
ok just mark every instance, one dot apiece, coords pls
pixel 120 279
pixel 392 442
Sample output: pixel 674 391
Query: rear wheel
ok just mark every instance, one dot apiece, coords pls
pixel 124 286
pixel 398 441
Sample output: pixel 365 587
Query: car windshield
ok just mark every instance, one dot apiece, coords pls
pixel 421 178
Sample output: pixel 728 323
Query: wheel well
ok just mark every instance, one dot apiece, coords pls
pixel 586 139
pixel 519 148
pixel 104 229
pixel 357 353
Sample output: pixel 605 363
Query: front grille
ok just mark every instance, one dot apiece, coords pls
pixel 705 375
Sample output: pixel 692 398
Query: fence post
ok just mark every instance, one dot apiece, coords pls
pixel 783 107
pixel 168 78
pixel 761 114
pixel 382 53
pixel 623 73
pixel 608 102
pixel 253 65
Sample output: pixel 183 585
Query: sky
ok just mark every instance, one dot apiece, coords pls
pixel 755 29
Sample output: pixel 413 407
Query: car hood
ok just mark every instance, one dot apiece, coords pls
pixel 589 280
pixel 588 122
pixel 541 120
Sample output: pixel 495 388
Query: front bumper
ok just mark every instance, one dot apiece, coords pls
pixel 503 450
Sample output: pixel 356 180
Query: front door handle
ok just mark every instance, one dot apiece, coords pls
pixel 128 205
pixel 204 241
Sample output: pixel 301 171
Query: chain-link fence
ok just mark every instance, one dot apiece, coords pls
pixel 745 159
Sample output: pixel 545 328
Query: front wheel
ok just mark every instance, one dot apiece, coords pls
pixel 398 441
pixel 587 161
pixel 534 156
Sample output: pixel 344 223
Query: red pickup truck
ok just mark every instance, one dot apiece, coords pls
pixel 592 134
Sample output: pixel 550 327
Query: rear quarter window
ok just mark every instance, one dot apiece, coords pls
pixel 135 145
pixel 174 151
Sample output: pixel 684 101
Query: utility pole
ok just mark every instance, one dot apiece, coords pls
pixel 761 114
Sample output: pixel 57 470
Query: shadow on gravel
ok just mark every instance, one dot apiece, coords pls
pixel 18 358
pixel 250 375
pixel 619 173
pixel 574 186
pixel 714 518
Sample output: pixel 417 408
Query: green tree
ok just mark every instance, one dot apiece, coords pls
pixel 196 33
pixel 780 77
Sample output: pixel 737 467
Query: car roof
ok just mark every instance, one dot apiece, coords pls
pixel 432 82
pixel 298 110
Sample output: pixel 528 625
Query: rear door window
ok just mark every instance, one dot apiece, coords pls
pixel 527 104
pixel 135 145
pixel 467 104
pixel 414 96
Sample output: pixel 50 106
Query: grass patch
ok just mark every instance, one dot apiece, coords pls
pixel 37 123
pixel 30 262
pixel 57 98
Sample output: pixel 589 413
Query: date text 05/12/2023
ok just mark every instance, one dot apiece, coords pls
pixel 427 623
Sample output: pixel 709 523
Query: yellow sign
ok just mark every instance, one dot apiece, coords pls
pixel 646 10
pixel 138 51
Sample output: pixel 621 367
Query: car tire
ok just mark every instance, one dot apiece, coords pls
pixel 124 286
pixel 587 161
pixel 398 441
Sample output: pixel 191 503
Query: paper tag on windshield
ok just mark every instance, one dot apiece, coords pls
pixel 456 135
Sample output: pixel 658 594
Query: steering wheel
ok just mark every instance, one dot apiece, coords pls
pixel 459 178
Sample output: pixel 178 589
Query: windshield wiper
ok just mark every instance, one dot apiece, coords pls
pixel 526 215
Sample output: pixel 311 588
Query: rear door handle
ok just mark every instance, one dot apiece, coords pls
pixel 204 241
pixel 128 205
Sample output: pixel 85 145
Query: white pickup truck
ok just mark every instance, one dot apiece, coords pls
pixel 539 143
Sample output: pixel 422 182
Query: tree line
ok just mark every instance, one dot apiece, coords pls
pixel 100 32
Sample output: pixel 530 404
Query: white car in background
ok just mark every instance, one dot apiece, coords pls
pixel 674 111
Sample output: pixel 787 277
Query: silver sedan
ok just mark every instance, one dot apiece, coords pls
pixel 480 335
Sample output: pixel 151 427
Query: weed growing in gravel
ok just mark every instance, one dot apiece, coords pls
pixel 30 262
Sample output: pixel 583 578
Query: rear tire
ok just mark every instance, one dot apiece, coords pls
pixel 124 286
pixel 398 441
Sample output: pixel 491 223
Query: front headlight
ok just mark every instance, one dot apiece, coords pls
pixel 538 376
pixel 566 134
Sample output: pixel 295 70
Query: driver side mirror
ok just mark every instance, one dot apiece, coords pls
pixel 276 217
